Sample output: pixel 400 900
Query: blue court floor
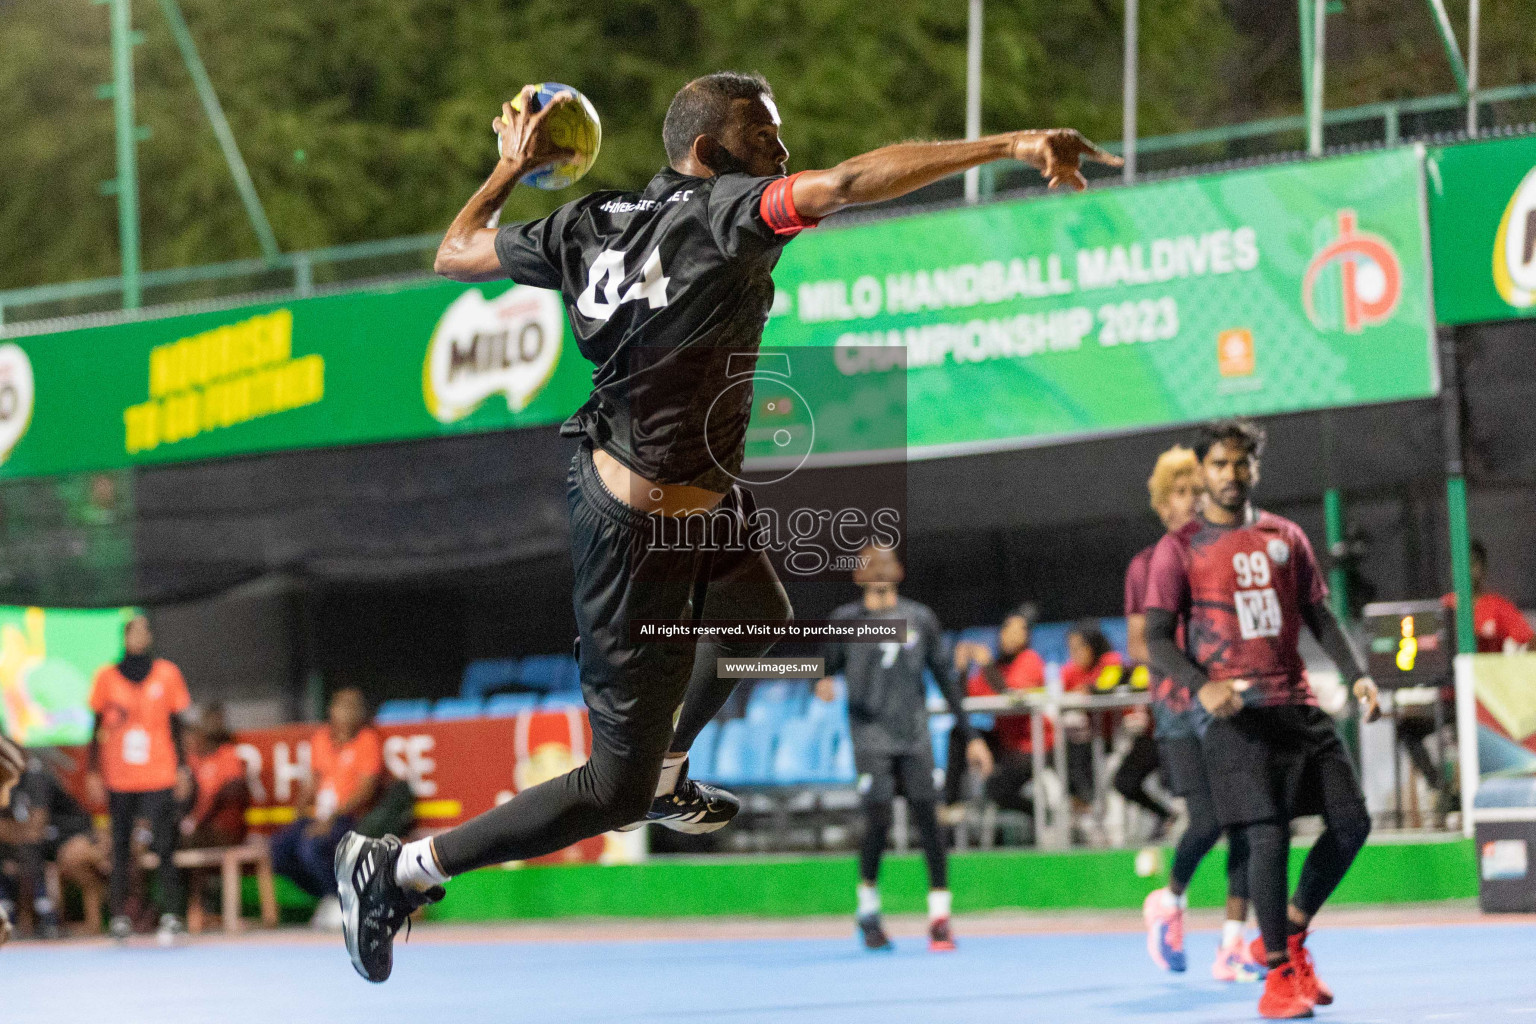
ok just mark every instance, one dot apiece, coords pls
pixel 1463 972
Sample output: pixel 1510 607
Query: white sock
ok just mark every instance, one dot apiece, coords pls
pixel 417 867
pixel 938 904
pixel 869 900
pixel 1231 933
pixel 1181 900
pixel 671 768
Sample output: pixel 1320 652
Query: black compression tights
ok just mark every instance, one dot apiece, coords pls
pixel 877 829
pixel 1196 842
pixel 1269 844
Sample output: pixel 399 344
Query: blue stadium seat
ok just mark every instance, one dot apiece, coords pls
pixel 549 672
pixel 1049 640
pixel 986 635
pixel 772 702
pixel 939 727
pixel 1115 631
pixel 701 756
pixel 729 752
pixel 455 709
pixel 487 674
pixel 843 769
pixel 510 705
pixel 794 759
pixel 394 712
pixel 559 700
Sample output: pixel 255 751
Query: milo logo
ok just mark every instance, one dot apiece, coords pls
pixel 508 345
pixel 1514 247
pixel 16 397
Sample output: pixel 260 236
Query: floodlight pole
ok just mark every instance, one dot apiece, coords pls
pixel 1128 118
pixel 215 111
pixel 1315 92
pixel 973 94
pixel 1474 19
pixel 126 185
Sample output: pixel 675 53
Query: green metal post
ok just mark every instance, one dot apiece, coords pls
pixel 126 185
pixel 1448 40
pixel 1338 579
pixel 1461 563
pixel 1304 10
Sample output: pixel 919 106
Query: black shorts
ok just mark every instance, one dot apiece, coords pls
pixel 884 776
pixel 1183 765
pixel 633 566
pixel 1280 763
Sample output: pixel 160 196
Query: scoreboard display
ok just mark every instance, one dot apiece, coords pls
pixel 1409 643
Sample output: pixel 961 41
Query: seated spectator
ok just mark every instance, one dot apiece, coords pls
pixel 346 761
pixel 45 825
pixel 1497 622
pixel 1016 667
pixel 216 816
pixel 1091 665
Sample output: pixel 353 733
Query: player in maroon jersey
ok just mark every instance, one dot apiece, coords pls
pixel 1243 582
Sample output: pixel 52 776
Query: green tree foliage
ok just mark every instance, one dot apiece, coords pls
pixel 367 119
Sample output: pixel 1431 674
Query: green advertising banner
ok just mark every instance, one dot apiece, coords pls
pixel 347 369
pixel 48 660
pixel 1262 291
pixel 1482 218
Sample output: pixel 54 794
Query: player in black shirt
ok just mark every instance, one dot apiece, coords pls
pixel 667 291
pixel 45 825
pixel 892 751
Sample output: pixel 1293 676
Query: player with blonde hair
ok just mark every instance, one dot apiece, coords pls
pixel 1175 491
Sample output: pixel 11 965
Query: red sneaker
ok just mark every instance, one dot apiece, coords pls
pixel 940 938
pixel 1318 992
pixel 1284 997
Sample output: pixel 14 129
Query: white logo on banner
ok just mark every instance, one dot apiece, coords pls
pixel 507 345
pixel 16 397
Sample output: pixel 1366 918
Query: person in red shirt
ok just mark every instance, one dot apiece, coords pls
pixel 1092 665
pixel 1243 582
pixel 1498 623
pixel 137 767
pixel 1016 667
pixel 216 816
pixel 346 760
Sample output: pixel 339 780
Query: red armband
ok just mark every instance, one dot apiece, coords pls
pixel 778 208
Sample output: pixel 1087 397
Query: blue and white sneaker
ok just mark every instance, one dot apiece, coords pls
pixel 1165 930
pixel 373 905
pixel 691 807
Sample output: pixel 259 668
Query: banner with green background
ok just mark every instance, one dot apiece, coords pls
pixel 48 661
pixel 346 369
pixel 1482 217
pixel 1260 291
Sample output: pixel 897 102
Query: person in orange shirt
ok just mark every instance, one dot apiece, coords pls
pixel 138 769
pixel 346 760
pixel 216 816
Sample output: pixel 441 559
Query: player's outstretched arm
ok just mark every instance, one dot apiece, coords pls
pixel 1341 651
pixel 468 250
pixel 892 171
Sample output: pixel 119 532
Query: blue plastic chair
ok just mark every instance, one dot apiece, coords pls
pixel 549 672
pixel 487 674
pixel 730 767
pixel 757 753
pixel 510 705
pixel 559 700
pixel 1116 632
pixel 939 727
pixel 985 635
pixel 456 709
pixel 794 757
pixel 394 712
pixel 774 702
pixel 843 769
pixel 701 756
pixel 1049 640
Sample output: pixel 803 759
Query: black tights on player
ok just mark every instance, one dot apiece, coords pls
pixel 1269 845
pixel 1203 831
pixel 877 829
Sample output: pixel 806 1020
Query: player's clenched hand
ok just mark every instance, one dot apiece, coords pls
pixel 521 136
pixel 1222 697
pixel 1369 697
pixel 12 764
pixel 979 756
pixel 826 689
pixel 1058 154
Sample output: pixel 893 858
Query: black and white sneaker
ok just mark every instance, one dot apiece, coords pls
pixel 692 807
pixel 373 905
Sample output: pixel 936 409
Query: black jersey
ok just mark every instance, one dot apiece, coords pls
pixel 887 697
pixel 667 292
pixel 39 789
